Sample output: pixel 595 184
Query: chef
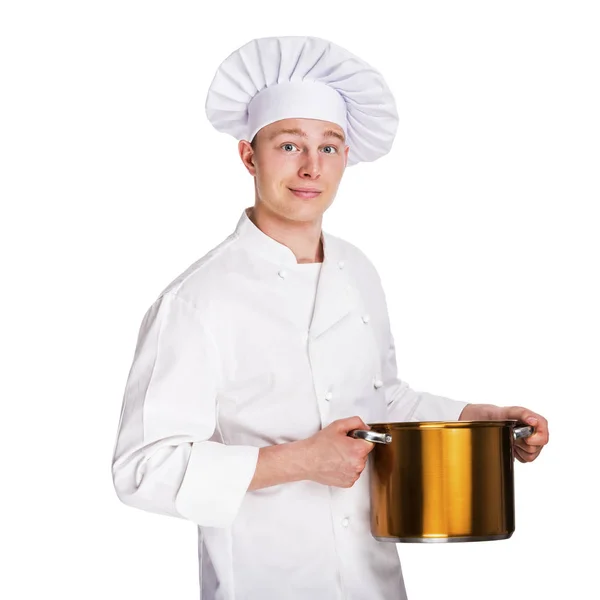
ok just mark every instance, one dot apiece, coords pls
pixel 254 363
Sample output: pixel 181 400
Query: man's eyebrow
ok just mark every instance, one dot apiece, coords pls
pixel 335 134
pixel 299 132
pixel 287 132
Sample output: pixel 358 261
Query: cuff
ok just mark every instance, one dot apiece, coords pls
pixel 215 482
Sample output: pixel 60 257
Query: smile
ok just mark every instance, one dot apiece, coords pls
pixel 305 193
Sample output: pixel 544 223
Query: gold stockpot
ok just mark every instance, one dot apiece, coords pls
pixel 442 481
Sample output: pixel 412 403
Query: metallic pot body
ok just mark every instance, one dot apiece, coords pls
pixel 442 481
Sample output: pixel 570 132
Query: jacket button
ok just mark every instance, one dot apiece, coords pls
pixel 328 396
pixel 366 318
pixel 345 522
pixel 377 383
pixel 341 264
pixel 282 273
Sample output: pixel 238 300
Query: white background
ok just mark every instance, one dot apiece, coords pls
pixel 482 221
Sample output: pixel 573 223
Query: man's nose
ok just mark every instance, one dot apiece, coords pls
pixel 310 166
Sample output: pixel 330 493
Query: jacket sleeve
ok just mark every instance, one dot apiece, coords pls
pixel 403 403
pixel 164 460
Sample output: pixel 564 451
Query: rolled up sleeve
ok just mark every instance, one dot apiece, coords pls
pixel 165 460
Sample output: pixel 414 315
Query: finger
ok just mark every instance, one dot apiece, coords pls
pixel 351 423
pixel 540 435
pixel 364 451
pixel 361 446
pixel 519 413
pixel 518 456
pixel 536 439
pixel 527 450
pixel 524 456
pixel 525 415
pixel 521 456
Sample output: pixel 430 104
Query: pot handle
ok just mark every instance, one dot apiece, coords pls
pixel 522 432
pixel 370 436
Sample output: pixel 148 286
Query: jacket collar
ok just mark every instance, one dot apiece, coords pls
pixel 255 240
pixel 335 296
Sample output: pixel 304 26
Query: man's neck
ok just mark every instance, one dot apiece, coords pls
pixel 303 239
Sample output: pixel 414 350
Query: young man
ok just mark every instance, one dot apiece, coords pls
pixel 253 365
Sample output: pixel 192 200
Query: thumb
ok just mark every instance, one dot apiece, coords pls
pixel 351 423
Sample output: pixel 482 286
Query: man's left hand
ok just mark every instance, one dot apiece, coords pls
pixel 526 449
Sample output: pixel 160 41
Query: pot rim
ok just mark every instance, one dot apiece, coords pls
pixel 446 424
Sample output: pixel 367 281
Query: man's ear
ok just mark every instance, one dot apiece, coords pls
pixel 247 155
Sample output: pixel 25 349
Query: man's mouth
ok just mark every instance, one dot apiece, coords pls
pixel 305 192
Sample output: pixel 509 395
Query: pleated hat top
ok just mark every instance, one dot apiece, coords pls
pixel 301 77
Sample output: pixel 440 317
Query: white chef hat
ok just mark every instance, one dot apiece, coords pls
pixel 303 77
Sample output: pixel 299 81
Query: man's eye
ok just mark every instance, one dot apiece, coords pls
pixel 333 148
pixel 288 147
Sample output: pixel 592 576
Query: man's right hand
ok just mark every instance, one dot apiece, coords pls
pixel 335 459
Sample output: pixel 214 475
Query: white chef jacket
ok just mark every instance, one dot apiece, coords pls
pixel 227 361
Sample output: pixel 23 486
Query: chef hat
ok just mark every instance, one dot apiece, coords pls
pixel 275 78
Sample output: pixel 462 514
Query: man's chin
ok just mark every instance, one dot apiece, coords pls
pixel 298 211
pixel 305 214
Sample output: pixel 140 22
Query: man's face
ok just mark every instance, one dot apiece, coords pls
pixel 292 155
